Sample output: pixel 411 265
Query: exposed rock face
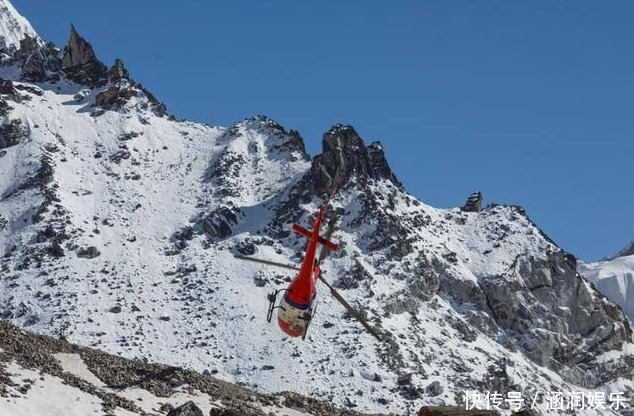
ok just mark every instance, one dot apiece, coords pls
pixel 38 62
pixel 474 203
pixel 518 299
pixel 188 409
pixel 13 29
pixel 217 224
pixel 627 251
pixel 345 156
pixel 32 59
pixel 118 71
pixel 88 253
pixel 80 62
pixel 121 89
pixel 114 96
pixel 78 52
pixel 12 133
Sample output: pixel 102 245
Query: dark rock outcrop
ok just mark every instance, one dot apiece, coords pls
pixel 42 177
pixel 38 62
pixel 188 409
pixel 627 251
pixel 217 224
pixel 118 71
pixel 80 62
pixel 344 156
pixel 553 336
pixel 121 88
pixel 474 203
pixel 88 252
pixel 12 133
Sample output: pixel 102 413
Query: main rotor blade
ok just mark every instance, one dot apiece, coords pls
pixel 352 310
pixel 270 263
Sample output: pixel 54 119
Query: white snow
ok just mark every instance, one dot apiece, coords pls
pixel 73 364
pixel 14 27
pixel 47 395
pixel 615 279
pixel 150 403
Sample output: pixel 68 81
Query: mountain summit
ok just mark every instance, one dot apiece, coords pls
pixel 13 29
pixel 119 226
pixel 628 250
pixel 345 155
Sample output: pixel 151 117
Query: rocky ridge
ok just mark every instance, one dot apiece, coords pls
pixel 111 377
pixel 37 61
pixel 628 250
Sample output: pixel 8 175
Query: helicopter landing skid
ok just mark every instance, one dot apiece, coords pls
pixel 308 317
pixel 272 297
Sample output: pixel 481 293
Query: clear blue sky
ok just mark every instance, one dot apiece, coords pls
pixel 530 102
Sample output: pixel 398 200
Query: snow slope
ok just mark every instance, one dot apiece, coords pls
pixel 13 27
pixel 43 376
pixel 615 279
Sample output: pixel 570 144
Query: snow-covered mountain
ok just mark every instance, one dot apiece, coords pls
pixel 13 29
pixel 119 225
pixel 614 277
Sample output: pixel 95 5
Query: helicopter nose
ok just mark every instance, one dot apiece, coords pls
pixel 288 328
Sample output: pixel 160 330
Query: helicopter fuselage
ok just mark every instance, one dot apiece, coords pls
pixel 295 309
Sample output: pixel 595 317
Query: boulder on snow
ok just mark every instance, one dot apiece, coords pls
pixel 188 409
pixel 88 252
pixel 434 389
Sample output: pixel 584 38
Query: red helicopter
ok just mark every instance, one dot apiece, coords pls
pixel 296 309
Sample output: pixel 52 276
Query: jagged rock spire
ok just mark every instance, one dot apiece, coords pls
pixel 78 52
pixel 345 155
pixel 118 71
pixel 80 62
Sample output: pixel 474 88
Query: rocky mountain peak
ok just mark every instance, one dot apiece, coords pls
pixel 628 250
pixel 78 51
pixel 38 62
pixel 118 71
pixel 344 155
pixel 80 62
pixel 474 202
pixel 13 28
